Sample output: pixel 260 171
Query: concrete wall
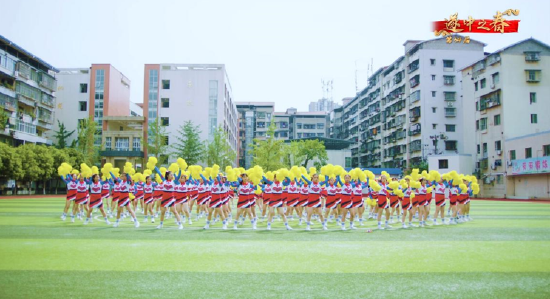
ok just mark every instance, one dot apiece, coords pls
pixel 531 186
pixel 118 93
pixel 459 163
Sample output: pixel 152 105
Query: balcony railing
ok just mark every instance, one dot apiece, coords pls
pixel 47 81
pixel 450 112
pixel 7 65
pixel 25 127
pixel 8 102
pixel 122 153
pixel 23 70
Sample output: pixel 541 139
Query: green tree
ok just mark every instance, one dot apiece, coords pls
pixel 156 144
pixel 36 162
pixel 62 135
pixel 10 162
pixel 269 153
pixel 188 145
pixel 218 151
pixel 4 118
pixel 87 134
pixel 74 157
pixel 312 149
pixel 422 165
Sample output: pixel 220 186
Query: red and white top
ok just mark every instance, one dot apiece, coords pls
pixel 277 188
pixel 148 188
pixel 293 188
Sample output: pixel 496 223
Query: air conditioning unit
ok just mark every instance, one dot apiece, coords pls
pixel 493 166
pixel 509 163
pixel 450 104
pixel 492 86
pixel 499 152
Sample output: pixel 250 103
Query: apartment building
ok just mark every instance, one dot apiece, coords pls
pixel 200 93
pixel 505 96
pixel 93 92
pixel 308 124
pixel 254 119
pixel 411 109
pixel 122 140
pixel 323 104
pixel 27 95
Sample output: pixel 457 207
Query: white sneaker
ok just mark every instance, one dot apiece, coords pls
pixel 152 220
pixel 353 227
pixel 413 225
pixel 107 222
pixel 388 226
pixel 207 226
pixel 254 225
pixel 268 226
pixel 86 221
pixel 234 226
pixel 380 227
pixel 325 227
pixel 159 226
pixel 190 222
pixel 180 226
pixel 288 227
pixel 63 217
pixel 343 227
pixel 72 219
pixel 224 226
pixel 405 226
pixel 136 224
pixel 308 228
pixel 115 225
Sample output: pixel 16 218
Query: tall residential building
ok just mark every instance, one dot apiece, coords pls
pixel 506 101
pixel 27 95
pixel 200 93
pixel 411 109
pixel 97 91
pixel 308 124
pixel 254 119
pixel 323 104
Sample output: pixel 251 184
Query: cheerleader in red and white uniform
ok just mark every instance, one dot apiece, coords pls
pixel 453 201
pixel 406 205
pixel 148 198
pixel 182 189
pixel 116 195
pixel 267 196
pixel 139 196
pixel 302 203
pixel 439 189
pixel 105 195
pixel 394 202
pixel 246 191
pixel 422 203
pixel 346 201
pixel 70 180
pixel 315 191
pixel 168 200
pixel 96 198
pixel 276 201
pixel 358 207
pixel 193 194
pixel 333 197
pixel 383 204
pixel 293 197
pixel 216 202
pixel 124 198
pixel 157 195
pixel 81 196
pixel 203 198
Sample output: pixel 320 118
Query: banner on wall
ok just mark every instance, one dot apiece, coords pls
pixel 531 166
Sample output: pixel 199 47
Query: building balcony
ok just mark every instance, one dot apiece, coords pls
pixel 7 91
pixel 25 100
pixel 122 153
pixel 450 112
pixel 8 103
pixel 7 66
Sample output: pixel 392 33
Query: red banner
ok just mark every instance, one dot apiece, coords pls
pixel 476 26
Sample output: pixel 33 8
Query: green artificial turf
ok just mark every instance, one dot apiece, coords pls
pixel 503 253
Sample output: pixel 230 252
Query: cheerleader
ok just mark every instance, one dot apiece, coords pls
pixel 167 201
pixel 346 201
pixel 302 203
pixel 276 201
pixel 96 198
pixel 81 196
pixel 314 200
pixel 203 198
pixel 215 203
pixel 425 183
pixel 333 197
pixel 193 194
pixel 139 196
pixel 227 196
pixel 453 201
pixel 439 200
pixel 293 197
pixel 116 195
pixel 148 198
pixel 394 202
pixel 383 204
pixel 70 180
pixel 406 205
pixel 358 206
pixel 106 186
pixel 467 203
pixel 462 197
pixel 268 195
pixel 423 203
pixel 182 196
pixel 124 184
pixel 245 189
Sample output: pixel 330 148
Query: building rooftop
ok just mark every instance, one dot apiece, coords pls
pixel 266 104
pixel 7 42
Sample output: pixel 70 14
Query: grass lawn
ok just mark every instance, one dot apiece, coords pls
pixel 503 253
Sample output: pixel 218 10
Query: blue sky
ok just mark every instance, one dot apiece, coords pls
pixel 275 51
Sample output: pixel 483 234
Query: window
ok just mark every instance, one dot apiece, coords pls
pixel 432 61
pixel 298 125
pixel 477 125
pixel 483 123
pixel 532 97
pixel 348 162
pixel 433 77
pixel 533 118
pixel 108 143
pixel 136 144
pixel 512 155
pixel 533 75
pixel 498 145
pixel 496 120
pixel 166 140
pixel 165 84
pixel 320 126
pixel 434 109
pixel 478 149
pixel 499 177
pixel 434 126
pixel 443 164
pixel 496 78
pixel 485 148
pixel 532 56
pixel 299 135
pixel 260 124
pixel 320 134
pixel 309 126
pixel 482 83
pixel 450 95
pixel 477 105
pixel 449 80
pixel 165 121
pixel 165 102
pixel 433 94
pixel 83 106
pixel 450 145
pixel 528 153
pixel 475 85
pixel 122 143
pixel 448 64
pixel 83 87
pixel 450 128
pixel 260 115
pixel 546 150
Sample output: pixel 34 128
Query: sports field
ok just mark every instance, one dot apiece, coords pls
pixel 503 253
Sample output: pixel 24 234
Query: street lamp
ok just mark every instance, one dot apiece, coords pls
pixel 435 138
